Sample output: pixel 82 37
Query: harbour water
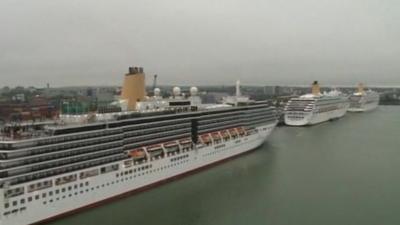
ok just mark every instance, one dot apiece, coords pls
pixel 339 172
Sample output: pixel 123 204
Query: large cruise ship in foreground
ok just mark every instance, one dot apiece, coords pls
pixel 315 108
pixel 362 101
pixel 52 169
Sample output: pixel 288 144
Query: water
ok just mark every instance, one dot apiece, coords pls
pixel 341 172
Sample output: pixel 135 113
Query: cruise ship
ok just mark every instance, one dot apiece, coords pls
pixel 316 107
pixel 362 101
pixel 53 169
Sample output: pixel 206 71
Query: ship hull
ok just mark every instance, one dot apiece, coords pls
pixel 312 118
pixel 364 107
pixel 94 191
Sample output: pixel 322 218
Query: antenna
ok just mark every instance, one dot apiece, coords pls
pixel 238 88
pixel 155 81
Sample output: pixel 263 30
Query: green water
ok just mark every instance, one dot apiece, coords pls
pixel 344 172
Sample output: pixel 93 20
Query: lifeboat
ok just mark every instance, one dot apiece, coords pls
pixel 171 146
pixel 154 150
pixel 206 138
pixel 216 136
pixel 185 142
pixel 241 131
pixel 233 132
pixel 137 154
pixel 225 134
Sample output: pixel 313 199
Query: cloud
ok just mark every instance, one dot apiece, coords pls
pixel 197 42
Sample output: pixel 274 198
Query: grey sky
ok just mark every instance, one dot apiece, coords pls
pixel 71 42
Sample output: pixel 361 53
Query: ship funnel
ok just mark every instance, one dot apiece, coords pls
pixel 316 90
pixel 133 89
pixel 360 88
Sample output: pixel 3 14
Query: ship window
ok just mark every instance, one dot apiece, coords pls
pixel 81 185
pixel 87 183
pixel 22 201
pixel 50 193
pixel 14 203
pixel 44 195
pixel 29 199
pixel 57 191
pixel 36 197
pixel 6 205
pixel 63 190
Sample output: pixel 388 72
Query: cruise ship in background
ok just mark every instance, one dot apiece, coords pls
pixel 316 107
pixel 362 101
pixel 55 168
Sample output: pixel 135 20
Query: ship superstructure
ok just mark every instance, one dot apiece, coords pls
pixel 315 108
pixel 51 169
pixel 362 101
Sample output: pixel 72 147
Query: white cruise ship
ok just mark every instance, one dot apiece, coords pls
pixel 315 108
pixel 49 170
pixel 362 101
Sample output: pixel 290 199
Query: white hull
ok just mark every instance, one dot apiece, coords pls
pixel 364 107
pixel 106 186
pixel 311 118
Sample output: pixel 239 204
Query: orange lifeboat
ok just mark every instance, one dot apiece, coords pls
pixel 216 136
pixel 233 132
pixel 137 154
pixel 205 138
pixel 241 131
pixel 225 134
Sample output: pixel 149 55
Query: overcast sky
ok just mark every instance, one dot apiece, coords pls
pixel 92 42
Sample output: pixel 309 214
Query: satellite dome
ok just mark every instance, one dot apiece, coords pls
pixel 176 91
pixel 194 91
pixel 157 91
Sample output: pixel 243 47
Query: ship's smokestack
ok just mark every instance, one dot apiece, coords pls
pixel 360 88
pixel 134 87
pixel 316 90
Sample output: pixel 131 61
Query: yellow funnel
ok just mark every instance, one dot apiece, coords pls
pixel 360 88
pixel 316 90
pixel 134 87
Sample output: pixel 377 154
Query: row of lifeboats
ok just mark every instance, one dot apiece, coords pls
pixel 174 146
pixel 224 134
pixel 158 149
